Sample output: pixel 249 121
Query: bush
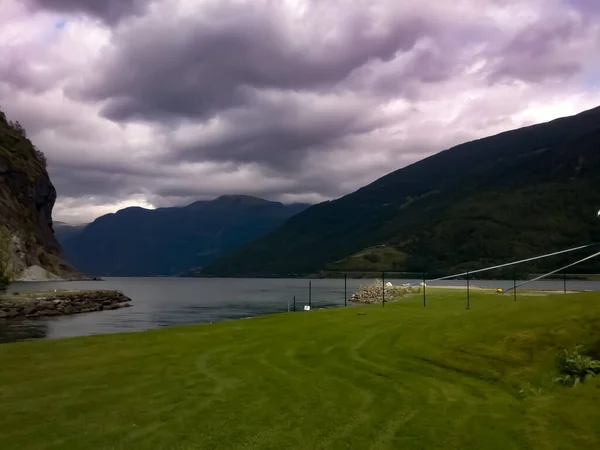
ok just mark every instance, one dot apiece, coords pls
pixel 372 257
pixel 4 282
pixel 40 157
pixel 5 257
pixel 575 368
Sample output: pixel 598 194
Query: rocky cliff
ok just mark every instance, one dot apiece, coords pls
pixel 27 197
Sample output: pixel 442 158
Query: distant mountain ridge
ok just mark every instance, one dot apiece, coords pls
pixel 513 195
pixel 169 241
pixel 64 231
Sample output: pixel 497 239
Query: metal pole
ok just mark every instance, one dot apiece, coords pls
pixel 424 292
pixel 294 303
pixel 383 288
pixel 288 303
pixel 310 294
pixel 345 290
pixel 468 292
pixel 565 282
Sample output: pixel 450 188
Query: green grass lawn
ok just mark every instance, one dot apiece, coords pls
pixel 367 377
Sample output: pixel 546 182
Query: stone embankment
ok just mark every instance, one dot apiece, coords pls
pixel 373 293
pixel 60 303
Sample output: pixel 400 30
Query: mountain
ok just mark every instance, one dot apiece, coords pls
pixel 27 198
pixel 170 241
pixel 64 231
pixel 517 194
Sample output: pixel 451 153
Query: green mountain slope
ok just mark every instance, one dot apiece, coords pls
pixel 516 194
pixel 169 241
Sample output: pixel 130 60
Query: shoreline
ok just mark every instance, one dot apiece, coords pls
pixel 60 303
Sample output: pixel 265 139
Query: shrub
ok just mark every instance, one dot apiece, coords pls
pixel 574 368
pixel 40 157
pixel 372 257
pixel 5 257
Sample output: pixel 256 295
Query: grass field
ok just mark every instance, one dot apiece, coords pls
pixel 367 377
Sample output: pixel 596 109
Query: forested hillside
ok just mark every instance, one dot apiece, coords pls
pixel 516 194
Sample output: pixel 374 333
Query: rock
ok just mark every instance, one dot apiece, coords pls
pixel 111 307
pixel 29 310
pixel 69 303
pixel 11 313
pixel 47 312
pixel 374 293
pixel 37 273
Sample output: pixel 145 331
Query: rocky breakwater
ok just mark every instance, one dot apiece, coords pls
pixel 60 303
pixel 374 292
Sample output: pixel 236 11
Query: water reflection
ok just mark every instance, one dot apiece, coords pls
pixel 159 302
pixel 22 329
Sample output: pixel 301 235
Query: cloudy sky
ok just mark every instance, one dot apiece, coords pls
pixel 159 103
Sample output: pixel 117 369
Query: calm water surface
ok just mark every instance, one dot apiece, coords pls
pixel 160 302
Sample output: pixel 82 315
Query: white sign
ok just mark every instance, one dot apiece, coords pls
pixel 306 308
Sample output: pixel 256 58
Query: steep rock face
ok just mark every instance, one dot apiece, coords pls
pixel 27 197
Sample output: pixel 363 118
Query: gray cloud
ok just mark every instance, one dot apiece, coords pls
pixel 537 53
pixel 285 100
pixel 197 67
pixel 110 11
pixel 279 130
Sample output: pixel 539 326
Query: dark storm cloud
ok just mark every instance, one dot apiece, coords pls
pixel 75 178
pixel 300 100
pixel 538 53
pixel 276 96
pixel 198 66
pixel 109 11
pixel 279 131
pixel 585 6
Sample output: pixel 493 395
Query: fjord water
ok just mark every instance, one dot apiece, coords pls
pixel 159 302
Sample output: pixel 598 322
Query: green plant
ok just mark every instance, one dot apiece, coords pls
pixel 574 368
pixel 5 257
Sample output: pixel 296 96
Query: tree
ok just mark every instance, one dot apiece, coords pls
pixel 19 129
pixel 40 156
pixel 5 257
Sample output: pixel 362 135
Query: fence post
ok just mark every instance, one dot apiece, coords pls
pixel 424 292
pixel 310 294
pixel 565 282
pixel 383 288
pixel 468 292
pixel 294 303
pixel 345 289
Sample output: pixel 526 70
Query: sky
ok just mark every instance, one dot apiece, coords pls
pixel 162 103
